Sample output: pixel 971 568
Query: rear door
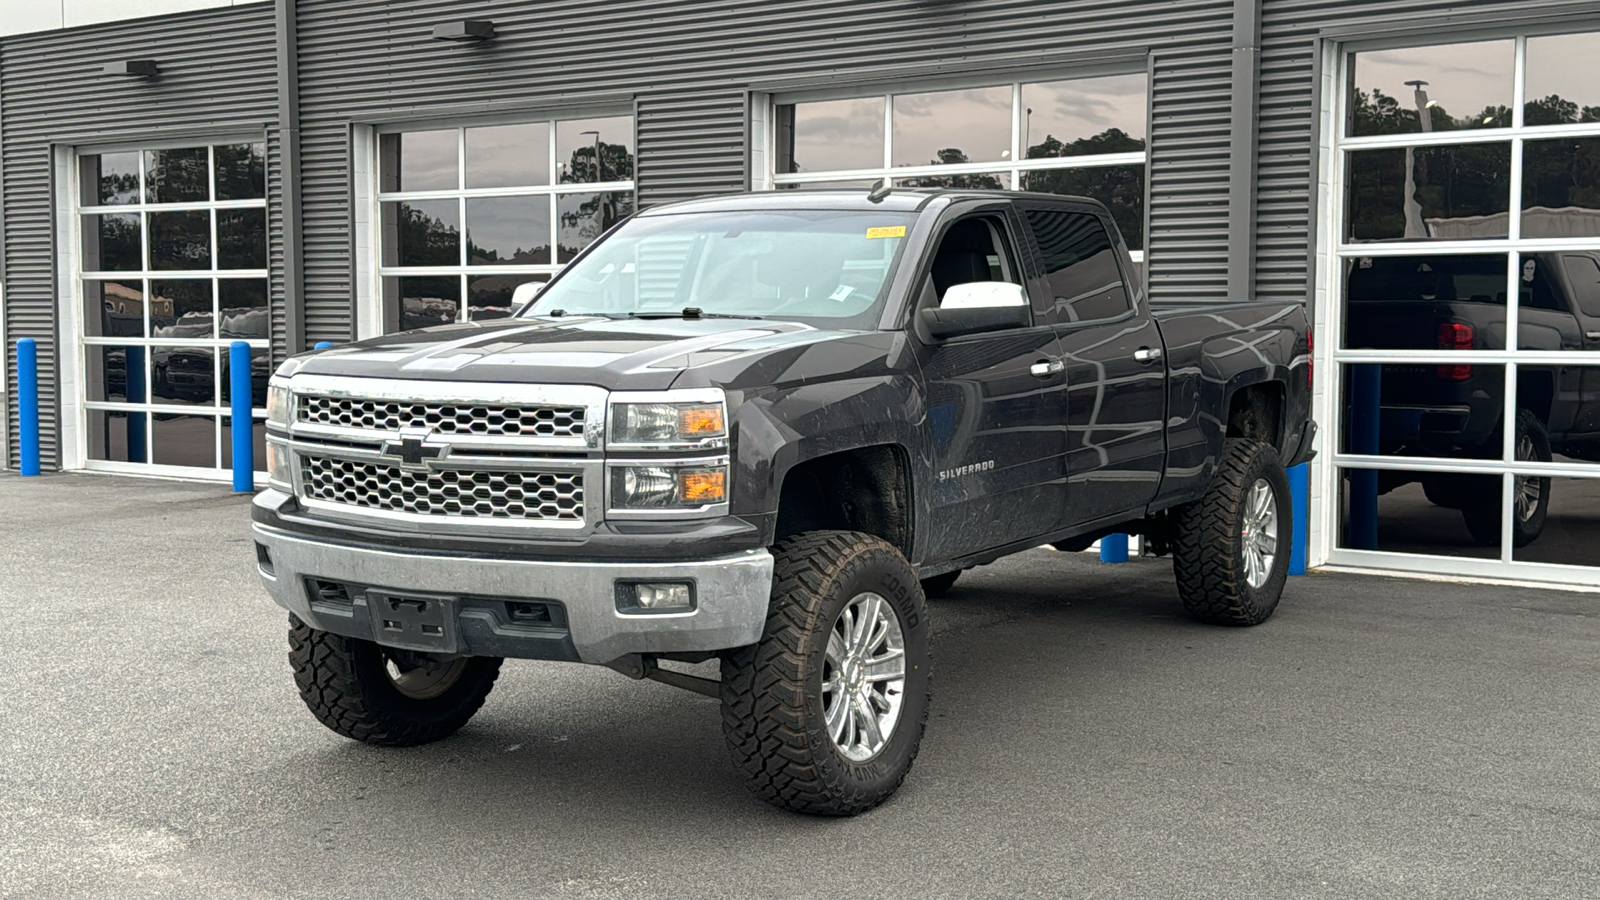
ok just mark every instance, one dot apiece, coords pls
pixel 1116 379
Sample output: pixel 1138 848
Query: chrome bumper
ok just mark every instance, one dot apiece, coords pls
pixel 478 598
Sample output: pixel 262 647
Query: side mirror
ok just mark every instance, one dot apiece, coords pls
pixel 525 292
pixel 977 307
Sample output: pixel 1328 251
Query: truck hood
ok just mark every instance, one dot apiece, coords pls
pixel 616 354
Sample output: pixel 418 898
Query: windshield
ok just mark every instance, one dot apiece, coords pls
pixel 828 266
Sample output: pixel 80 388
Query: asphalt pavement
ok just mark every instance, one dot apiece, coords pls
pixel 1377 738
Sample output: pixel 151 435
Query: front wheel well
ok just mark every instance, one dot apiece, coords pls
pixel 867 489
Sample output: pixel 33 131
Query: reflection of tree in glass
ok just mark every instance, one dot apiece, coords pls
pixel 1558 174
pixel 1112 140
pixel 178 176
pixel 589 218
pixel 1452 182
pixel 477 254
pixel 1379 113
pixel 119 244
pixel 119 187
pixel 1120 188
pixel 426 240
pixel 953 156
pixel 1553 110
pixel 617 165
pixel 241 171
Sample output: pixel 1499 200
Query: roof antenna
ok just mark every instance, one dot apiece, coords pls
pixel 879 191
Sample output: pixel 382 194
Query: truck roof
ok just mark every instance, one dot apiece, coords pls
pixel 897 200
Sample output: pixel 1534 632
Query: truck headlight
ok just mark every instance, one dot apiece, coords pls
pixel 696 423
pixel 668 487
pixel 279 401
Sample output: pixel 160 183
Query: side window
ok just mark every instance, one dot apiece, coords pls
pixel 1584 274
pixel 974 249
pixel 1081 264
pixel 1537 290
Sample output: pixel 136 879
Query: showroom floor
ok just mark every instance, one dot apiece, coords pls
pixel 1377 738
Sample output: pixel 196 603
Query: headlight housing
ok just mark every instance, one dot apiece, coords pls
pixel 670 487
pixel 279 402
pixel 278 464
pixel 670 419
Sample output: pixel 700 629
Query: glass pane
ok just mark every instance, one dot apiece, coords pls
pixel 242 305
pixel 1560 85
pixel 1458 86
pixel 177 176
pixel 489 296
pixel 831 135
pixel 1551 317
pixel 109 179
pixel 180 240
pixel 989 181
pixel 1423 409
pixel 508 155
pixel 1432 302
pixel 951 127
pixel 107 376
pixel 1582 272
pixel 419 161
pixel 183 375
pixel 241 171
pixel 258 456
pixel 422 233
pixel 117 436
pixel 508 231
pixel 181 309
pixel 584 217
pixel 1561 188
pixel 111 243
pixel 579 140
pixel 1558 521
pixel 241 239
pixel 180 440
pixel 1560 415
pixel 1085 116
pixel 1080 264
pixel 1435 193
pixel 1120 188
pixel 260 371
pixel 425 302
pixel 1420 512
pixel 113 308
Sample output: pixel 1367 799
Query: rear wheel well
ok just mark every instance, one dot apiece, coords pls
pixel 866 490
pixel 1256 411
pixel 1536 392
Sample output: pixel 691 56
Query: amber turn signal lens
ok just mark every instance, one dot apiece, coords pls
pixel 700 420
pixel 703 487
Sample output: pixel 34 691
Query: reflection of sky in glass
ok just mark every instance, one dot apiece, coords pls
pixel 1464 79
pixel 505 225
pixel 571 135
pixel 976 122
pixel 1069 110
pixel 839 134
pixel 508 155
pixel 1564 65
pixel 428 160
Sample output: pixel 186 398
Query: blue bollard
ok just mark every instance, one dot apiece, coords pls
pixel 28 404
pixel 244 463
pixel 323 345
pixel 1300 501
pixel 1114 548
pixel 133 386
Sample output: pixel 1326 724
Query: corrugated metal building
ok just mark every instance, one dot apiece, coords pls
pixel 303 170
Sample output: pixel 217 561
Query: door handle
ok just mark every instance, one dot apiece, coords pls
pixel 1147 354
pixel 1047 368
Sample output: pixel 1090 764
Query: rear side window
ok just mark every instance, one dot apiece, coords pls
pixel 1584 274
pixel 1081 264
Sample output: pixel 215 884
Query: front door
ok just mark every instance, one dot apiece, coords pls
pixel 996 408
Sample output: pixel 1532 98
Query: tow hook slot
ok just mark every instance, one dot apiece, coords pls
pixel 639 667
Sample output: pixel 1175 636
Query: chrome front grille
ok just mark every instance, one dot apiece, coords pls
pixel 508 495
pixel 445 418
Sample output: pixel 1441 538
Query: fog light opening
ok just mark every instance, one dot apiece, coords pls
pixel 655 597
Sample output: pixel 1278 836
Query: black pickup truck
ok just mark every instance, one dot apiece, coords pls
pixel 761 429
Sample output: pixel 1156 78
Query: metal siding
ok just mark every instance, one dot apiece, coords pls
pixel 1285 208
pixel 217 73
pixel 689 66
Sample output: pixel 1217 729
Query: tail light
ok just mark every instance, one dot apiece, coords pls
pixel 1310 356
pixel 1455 336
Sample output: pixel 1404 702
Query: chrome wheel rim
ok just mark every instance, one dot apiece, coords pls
pixel 1527 490
pixel 1260 532
pixel 419 676
pixel 863 677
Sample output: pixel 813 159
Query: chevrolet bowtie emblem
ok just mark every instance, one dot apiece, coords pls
pixel 413 449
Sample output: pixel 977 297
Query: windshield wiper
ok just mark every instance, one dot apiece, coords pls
pixel 688 312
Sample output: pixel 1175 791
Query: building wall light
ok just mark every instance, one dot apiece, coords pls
pixel 131 68
pixel 464 31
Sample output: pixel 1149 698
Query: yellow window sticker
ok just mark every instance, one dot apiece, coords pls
pixel 887 231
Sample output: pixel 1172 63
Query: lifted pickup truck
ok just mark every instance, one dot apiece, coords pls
pixel 761 429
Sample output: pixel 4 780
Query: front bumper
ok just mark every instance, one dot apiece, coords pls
pixel 473 605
